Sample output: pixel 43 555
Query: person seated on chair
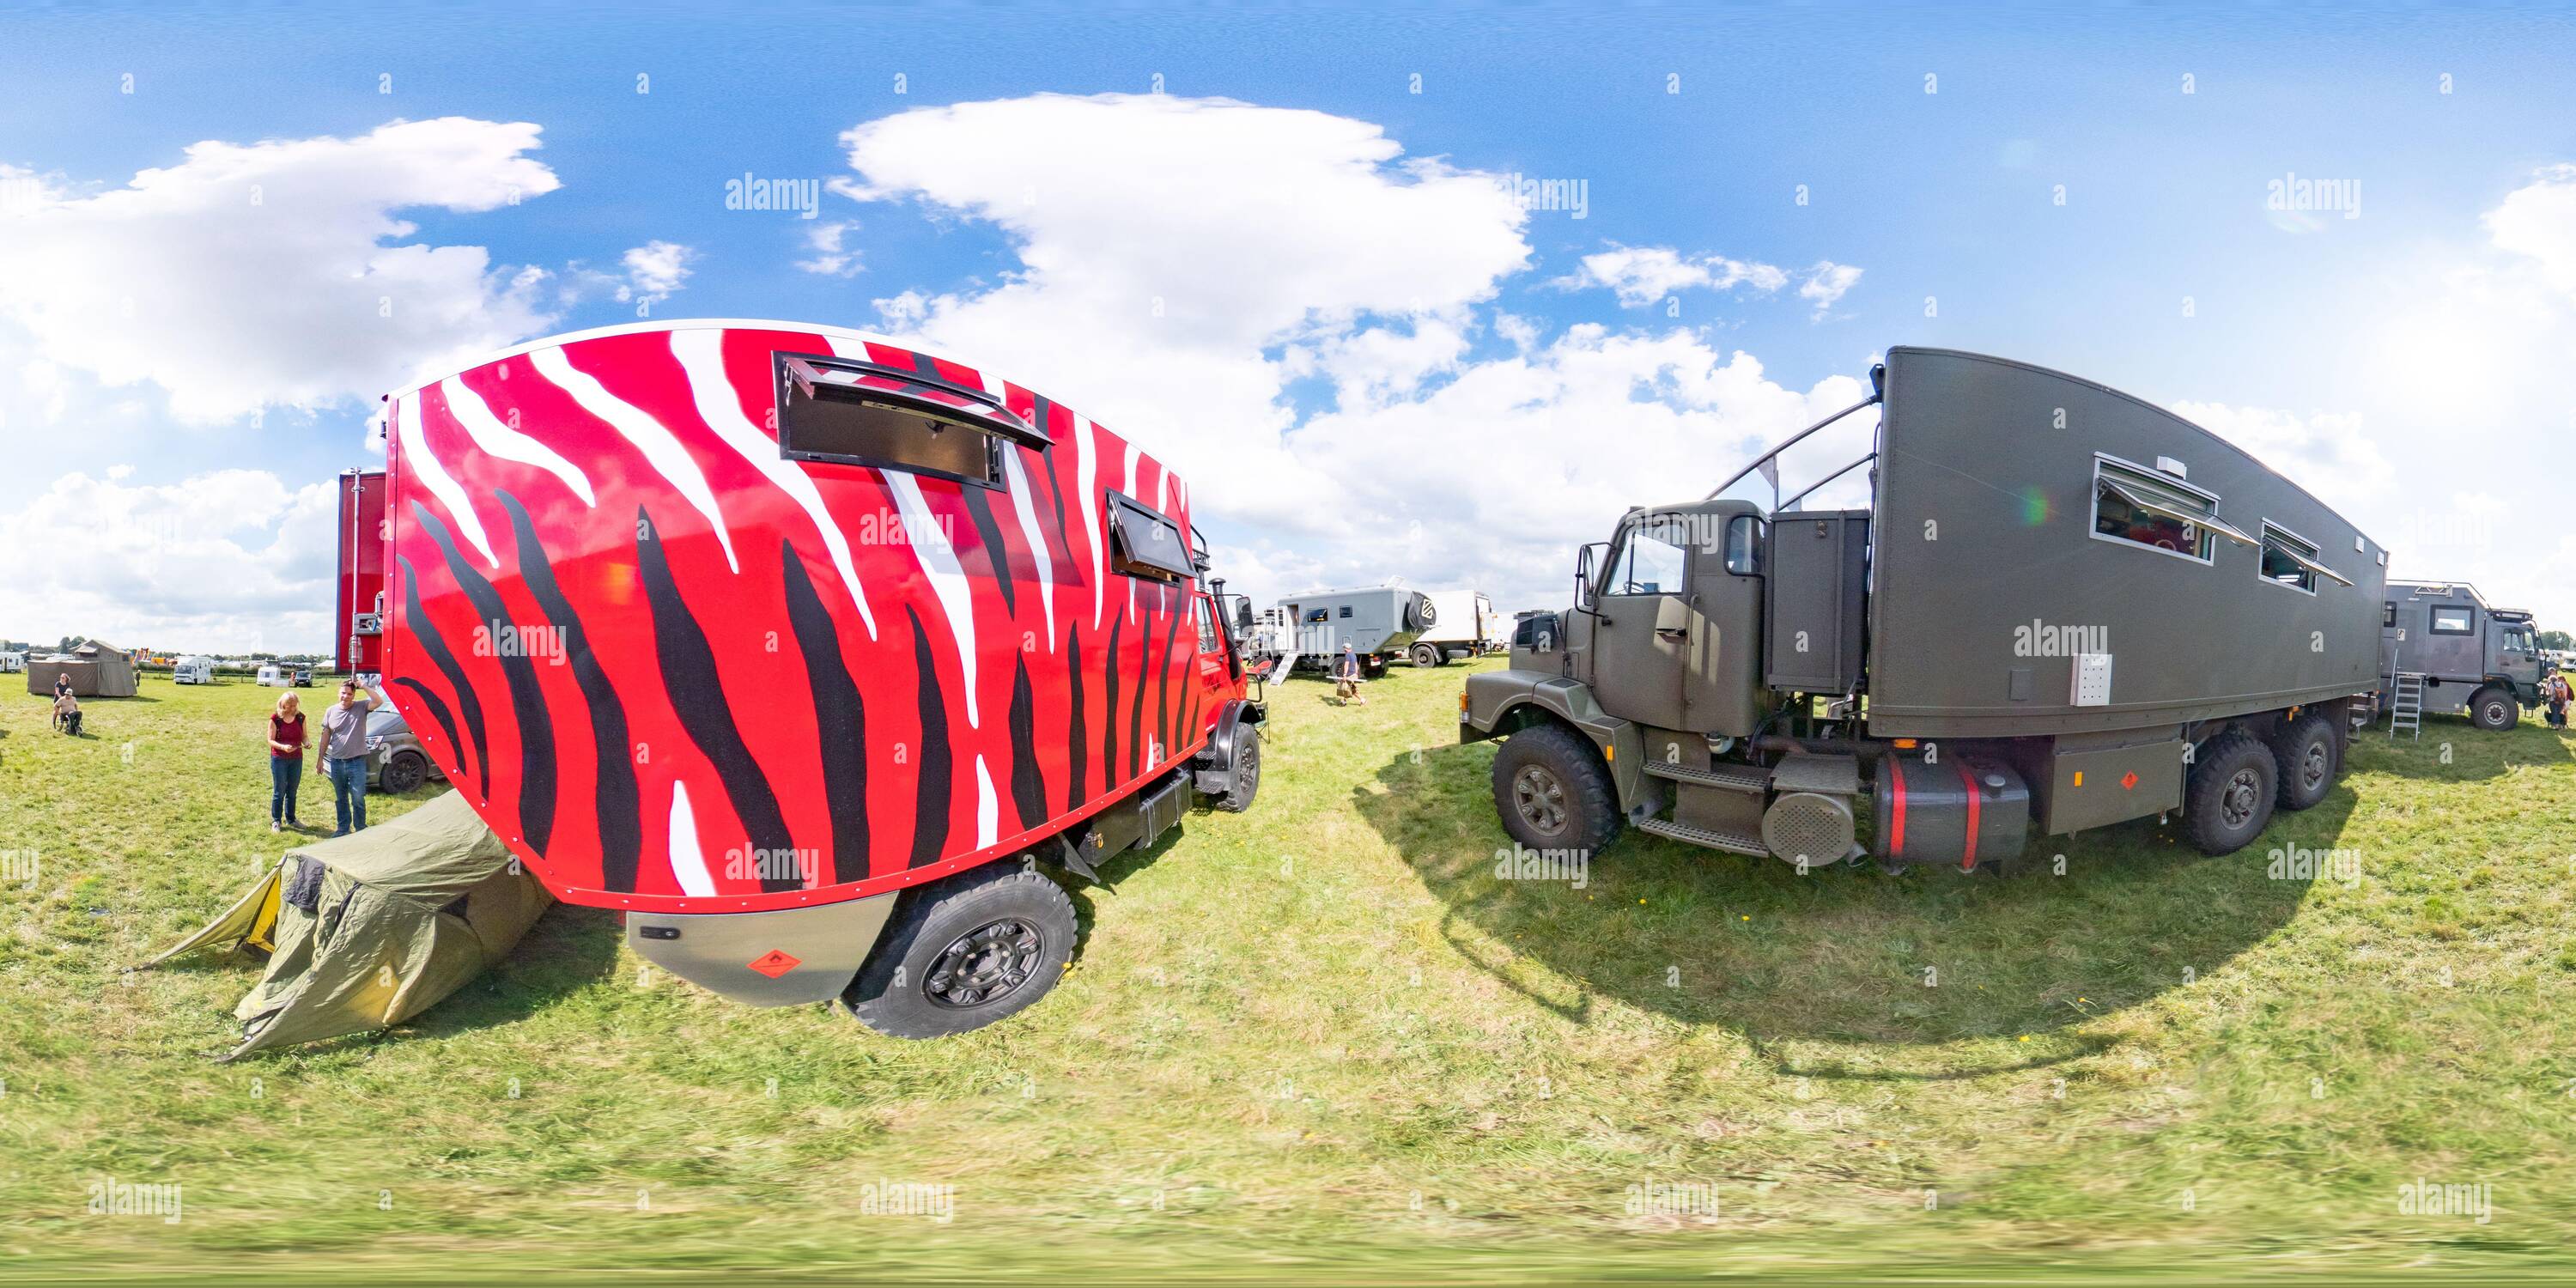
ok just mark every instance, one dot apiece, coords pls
pixel 67 712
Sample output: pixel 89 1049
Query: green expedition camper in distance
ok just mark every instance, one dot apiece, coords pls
pixel 2469 657
pixel 2063 606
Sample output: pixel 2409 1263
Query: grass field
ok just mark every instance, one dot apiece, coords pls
pixel 1324 1039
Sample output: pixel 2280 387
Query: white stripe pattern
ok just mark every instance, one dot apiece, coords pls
pixel 660 447
pixel 417 457
pixel 929 543
pixel 1089 493
pixel 701 355
pixel 988 805
pixel 1019 481
pixel 687 863
pixel 494 437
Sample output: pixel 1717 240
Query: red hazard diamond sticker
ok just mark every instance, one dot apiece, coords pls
pixel 2129 780
pixel 774 963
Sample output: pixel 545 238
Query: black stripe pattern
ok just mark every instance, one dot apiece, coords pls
pixel 614 795
pixel 696 692
pixel 931 797
pixel 519 675
pixel 840 721
pixel 444 659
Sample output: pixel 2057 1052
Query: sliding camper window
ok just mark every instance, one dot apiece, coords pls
pixel 845 412
pixel 2289 559
pixel 2139 507
pixel 2449 620
pixel 1145 542
pixel 2388 613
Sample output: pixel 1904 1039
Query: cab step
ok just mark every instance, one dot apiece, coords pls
pixel 1733 778
pixel 1748 846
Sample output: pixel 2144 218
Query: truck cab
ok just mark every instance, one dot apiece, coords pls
pixel 2445 650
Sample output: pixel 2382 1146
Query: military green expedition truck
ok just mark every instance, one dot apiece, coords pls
pixel 2063 606
pixel 2444 651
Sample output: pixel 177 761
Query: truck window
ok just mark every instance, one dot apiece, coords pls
pixel 855 413
pixel 1145 542
pixel 1346 610
pixel 1744 545
pixel 2288 559
pixel 2454 621
pixel 2134 507
pixel 1207 628
pixel 1650 562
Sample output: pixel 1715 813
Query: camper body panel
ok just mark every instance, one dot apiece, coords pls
pixel 1465 623
pixel 358 597
pixel 682 671
pixel 1378 622
pixel 1991 582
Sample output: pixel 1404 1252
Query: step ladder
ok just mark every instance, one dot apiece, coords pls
pixel 2406 706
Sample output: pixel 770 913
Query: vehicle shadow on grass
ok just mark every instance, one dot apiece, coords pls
pixel 2096 923
pixel 1118 867
pixel 567 950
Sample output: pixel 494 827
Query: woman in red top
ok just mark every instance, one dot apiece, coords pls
pixel 285 761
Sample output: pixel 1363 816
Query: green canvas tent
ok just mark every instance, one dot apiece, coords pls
pixel 367 930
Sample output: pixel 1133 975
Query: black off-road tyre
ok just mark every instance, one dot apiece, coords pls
pixel 965 952
pixel 2306 758
pixel 1244 774
pixel 2234 785
pixel 1553 792
pixel 1430 655
pixel 2494 707
pixel 406 771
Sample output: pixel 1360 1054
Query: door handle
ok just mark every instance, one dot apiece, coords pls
pixel 1673 632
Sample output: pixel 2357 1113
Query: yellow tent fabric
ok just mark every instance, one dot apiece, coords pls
pixel 371 929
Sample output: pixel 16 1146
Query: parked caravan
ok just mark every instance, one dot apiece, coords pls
pixel 785 641
pixel 271 677
pixel 1462 625
pixel 2063 606
pixel 358 602
pixel 1379 623
pixel 12 662
pixel 193 670
pixel 2443 651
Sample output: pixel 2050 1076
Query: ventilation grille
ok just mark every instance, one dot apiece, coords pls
pixel 1805 825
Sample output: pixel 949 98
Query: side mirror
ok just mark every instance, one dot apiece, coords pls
pixel 1583 560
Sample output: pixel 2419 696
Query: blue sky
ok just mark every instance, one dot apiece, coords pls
pixel 2402 362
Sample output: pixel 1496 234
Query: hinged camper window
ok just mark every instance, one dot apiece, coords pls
pixel 1144 541
pixel 2291 560
pixel 2454 621
pixel 2388 614
pixel 2137 506
pixel 847 412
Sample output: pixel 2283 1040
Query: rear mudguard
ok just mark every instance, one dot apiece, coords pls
pixel 1499 702
pixel 780 958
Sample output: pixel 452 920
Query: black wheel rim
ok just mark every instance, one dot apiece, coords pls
pixel 2312 769
pixel 984 965
pixel 2236 807
pixel 1539 797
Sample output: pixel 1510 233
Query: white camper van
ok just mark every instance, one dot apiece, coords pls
pixel 193 670
pixel 1466 626
pixel 13 661
pixel 271 677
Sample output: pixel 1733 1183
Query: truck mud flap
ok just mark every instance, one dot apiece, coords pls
pixel 781 958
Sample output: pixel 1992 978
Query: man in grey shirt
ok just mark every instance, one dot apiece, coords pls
pixel 344 755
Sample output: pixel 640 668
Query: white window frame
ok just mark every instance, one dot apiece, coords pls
pixel 2306 560
pixel 2212 528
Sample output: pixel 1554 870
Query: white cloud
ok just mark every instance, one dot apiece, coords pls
pixel 1641 275
pixel 260 275
pixel 1182 262
pixel 653 271
pixel 2539 220
pixel 830 257
pixel 2328 453
pixel 231 560
pixel 1827 283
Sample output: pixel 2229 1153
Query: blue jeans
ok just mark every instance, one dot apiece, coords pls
pixel 285 777
pixel 349 792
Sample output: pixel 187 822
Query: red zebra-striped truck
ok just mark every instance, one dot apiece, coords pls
pixel 780 638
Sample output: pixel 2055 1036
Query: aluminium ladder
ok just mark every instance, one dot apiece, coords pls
pixel 2406 706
